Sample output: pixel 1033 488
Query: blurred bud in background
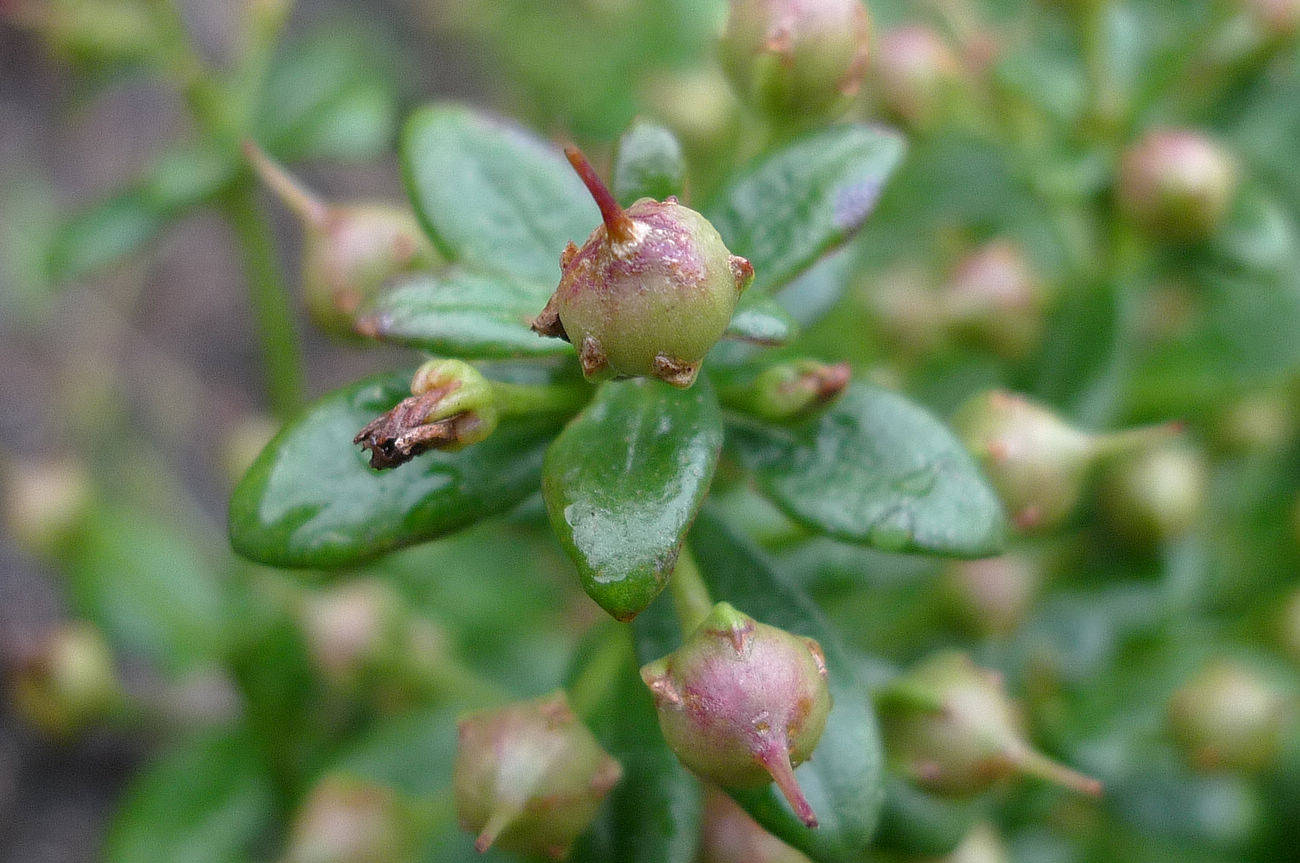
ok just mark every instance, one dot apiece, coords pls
pixel 346 820
pixel 1277 20
pixel 352 629
pixel 789 391
pixel 915 74
pixel 1177 183
pixel 1258 422
pixel 1156 495
pixel 991 597
pixel 45 504
pixel 697 104
pixel 67 682
pixel 1229 717
pixel 981 845
pixel 905 311
pixel 995 300
pixel 729 835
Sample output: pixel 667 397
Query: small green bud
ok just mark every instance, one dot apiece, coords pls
pixel 1228 718
pixel 796 58
pixel 649 293
pixel 349 251
pixel 451 406
pixel 741 703
pixel 697 104
pixel 1260 422
pixel 68 682
pixel 1155 495
pixel 792 390
pixel 729 835
pixel 530 777
pixel 1036 461
pixel 995 299
pixel 949 727
pixel 993 595
pixel 45 504
pixel 916 75
pixel 1177 183
pixel 346 820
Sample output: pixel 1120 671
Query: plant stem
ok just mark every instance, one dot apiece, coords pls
pixel 540 398
pixel 454 680
pixel 272 312
pixel 691 598
pixel 600 671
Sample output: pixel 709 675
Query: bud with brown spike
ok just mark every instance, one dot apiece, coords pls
pixel 650 291
pixel 741 703
pixel 529 777
pixel 950 728
pixel 349 250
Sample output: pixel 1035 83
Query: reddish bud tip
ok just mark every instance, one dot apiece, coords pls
pixel 617 224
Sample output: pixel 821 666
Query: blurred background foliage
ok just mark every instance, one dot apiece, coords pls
pixel 167 701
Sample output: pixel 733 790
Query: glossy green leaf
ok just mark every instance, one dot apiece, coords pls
pixel 877 469
pixel 649 164
pixel 799 203
pixel 491 195
pixel 843 781
pixel 463 314
pixel 207 800
pixel 761 320
pixel 624 481
pixel 311 498
pixel 913 821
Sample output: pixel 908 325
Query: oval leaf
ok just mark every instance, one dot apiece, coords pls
pixel 492 195
pixel 649 164
pixel 760 320
pixel 623 483
pixel 311 499
pixel 797 204
pixel 877 469
pixel 461 314
pixel 843 781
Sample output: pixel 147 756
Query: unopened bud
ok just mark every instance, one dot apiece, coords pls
pixel 950 728
pixel 981 845
pixel 1229 718
pixel 796 58
pixel 1155 495
pixel 346 820
pixel 352 628
pixel 650 291
pixel 996 300
pixel 741 703
pixel 1037 462
pixel 729 835
pixel 992 596
pixel 1177 183
pixel 451 406
pixel 68 682
pixel 1261 422
pixel 349 250
pixel 906 311
pixel 792 390
pixel 916 75
pixel 697 104
pixel 530 777
pixel 45 504
pixel 1277 20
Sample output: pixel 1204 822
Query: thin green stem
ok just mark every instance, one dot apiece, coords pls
pixel 691 598
pixel 269 296
pixel 600 671
pixel 452 679
pixel 541 398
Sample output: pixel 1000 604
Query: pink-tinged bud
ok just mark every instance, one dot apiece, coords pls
pixel 1177 183
pixel 949 727
pixel 68 682
pixel 349 250
pixel 742 703
pixel 45 504
pixel 530 777
pixel 905 311
pixel 993 595
pixel 981 845
pixel 796 58
pixel 352 628
pixel 1036 461
pixel 1260 422
pixel 995 299
pixel 729 835
pixel 451 406
pixel 1155 495
pixel 650 291
pixel 916 75
pixel 1230 718
pixel 346 820
pixel 1278 20
pixel 792 390
pixel 1288 628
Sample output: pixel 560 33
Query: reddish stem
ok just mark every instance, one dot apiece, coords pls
pixel 617 223
pixel 776 759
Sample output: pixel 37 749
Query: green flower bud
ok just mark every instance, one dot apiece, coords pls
pixel 950 728
pixel 995 299
pixel 916 75
pixel 697 104
pixel 729 835
pixel 68 682
pixel 530 777
pixel 993 595
pixel 1177 183
pixel 1229 718
pixel 451 406
pixel 795 389
pixel 45 504
pixel 796 58
pixel 349 251
pixel 741 703
pixel 1037 462
pixel 346 820
pixel 648 294
pixel 1155 495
